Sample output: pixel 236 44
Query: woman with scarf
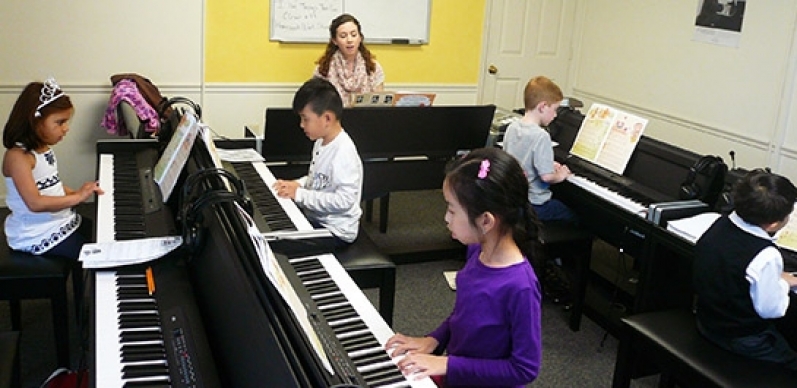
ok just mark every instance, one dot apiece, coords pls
pixel 347 63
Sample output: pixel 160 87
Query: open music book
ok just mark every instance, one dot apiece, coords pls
pixel 787 237
pixel 392 99
pixel 173 159
pixel 608 137
pixel 691 228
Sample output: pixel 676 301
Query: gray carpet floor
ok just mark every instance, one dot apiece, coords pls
pixel 418 238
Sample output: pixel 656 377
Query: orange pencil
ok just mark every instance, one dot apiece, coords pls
pixel 150 281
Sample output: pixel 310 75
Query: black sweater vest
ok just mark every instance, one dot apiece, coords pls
pixel 724 306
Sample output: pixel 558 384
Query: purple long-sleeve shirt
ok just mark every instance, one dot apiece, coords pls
pixel 493 335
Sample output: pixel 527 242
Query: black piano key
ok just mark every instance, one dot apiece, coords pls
pixel 336 315
pixel 131 323
pixel 140 335
pixel 144 370
pixel 370 358
pixel 385 376
pixel 143 357
pixel 139 305
pixel 359 343
pixel 148 384
pixel 354 326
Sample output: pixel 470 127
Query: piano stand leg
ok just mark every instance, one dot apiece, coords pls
pixel 384 203
pixel 369 210
pixel 387 295
pixel 61 325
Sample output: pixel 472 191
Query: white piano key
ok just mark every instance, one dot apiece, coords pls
pixel 108 348
pixel 105 214
pixel 624 203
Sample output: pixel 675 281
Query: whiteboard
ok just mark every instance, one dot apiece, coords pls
pixel 382 21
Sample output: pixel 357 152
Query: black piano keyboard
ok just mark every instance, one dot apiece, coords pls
pixel 263 198
pixel 143 346
pixel 129 221
pixel 367 354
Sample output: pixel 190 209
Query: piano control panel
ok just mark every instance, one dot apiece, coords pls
pixel 182 348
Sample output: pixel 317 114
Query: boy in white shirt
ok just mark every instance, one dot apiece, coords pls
pixel 330 192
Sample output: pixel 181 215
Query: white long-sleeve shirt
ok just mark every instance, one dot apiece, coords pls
pixel 769 292
pixel 330 192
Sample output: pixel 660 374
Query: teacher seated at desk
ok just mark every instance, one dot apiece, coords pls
pixel 347 63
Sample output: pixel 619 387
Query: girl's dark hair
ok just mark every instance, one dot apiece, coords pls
pixel 501 189
pixel 762 197
pixel 22 121
pixel 326 58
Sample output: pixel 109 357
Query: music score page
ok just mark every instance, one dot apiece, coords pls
pixel 608 137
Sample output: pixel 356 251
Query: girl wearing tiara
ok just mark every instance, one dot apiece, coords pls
pixel 493 336
pixel 42 219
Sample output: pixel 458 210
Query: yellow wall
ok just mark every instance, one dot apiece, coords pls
pixel 238 47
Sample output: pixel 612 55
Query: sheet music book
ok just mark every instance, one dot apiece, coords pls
pixel 173 159
pixel 691 228
pixel 787 237
pixel 662 212
pixel 608 137
pixel 392 99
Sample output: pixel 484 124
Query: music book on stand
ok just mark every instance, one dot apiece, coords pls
pixel 608 137
pixel 392 99
pixel 173 159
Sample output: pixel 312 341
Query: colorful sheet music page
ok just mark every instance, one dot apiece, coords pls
pixel 608 137
pixel 787 237
pixel 173 159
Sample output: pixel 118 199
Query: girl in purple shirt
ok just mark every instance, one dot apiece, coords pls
pixel 492 337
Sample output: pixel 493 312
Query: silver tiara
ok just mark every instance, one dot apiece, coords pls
pixel 50 92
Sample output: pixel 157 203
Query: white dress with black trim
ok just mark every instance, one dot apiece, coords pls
pixel 38 232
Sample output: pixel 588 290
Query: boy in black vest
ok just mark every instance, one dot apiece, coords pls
pixel 738 271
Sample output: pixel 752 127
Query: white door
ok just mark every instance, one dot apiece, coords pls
pixel 523 39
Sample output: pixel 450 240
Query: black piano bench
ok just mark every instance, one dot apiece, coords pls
pixel 573 244
pixel 670 341
pixel 370 268
pixel 27 276
pixel 9 359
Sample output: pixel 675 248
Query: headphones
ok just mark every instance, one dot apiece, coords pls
pixel 192 206
pixel 690 189
pixel 165 105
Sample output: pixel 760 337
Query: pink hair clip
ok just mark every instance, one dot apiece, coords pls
pixel 484 169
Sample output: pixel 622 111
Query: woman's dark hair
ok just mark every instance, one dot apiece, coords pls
pixel 22 121
pixel 501 189
pixel 762 197
pixel 326 58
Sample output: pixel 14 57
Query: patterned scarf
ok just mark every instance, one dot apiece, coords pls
pixel 350 82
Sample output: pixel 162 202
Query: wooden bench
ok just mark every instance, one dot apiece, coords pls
pixel 670 341
pixel 27 276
